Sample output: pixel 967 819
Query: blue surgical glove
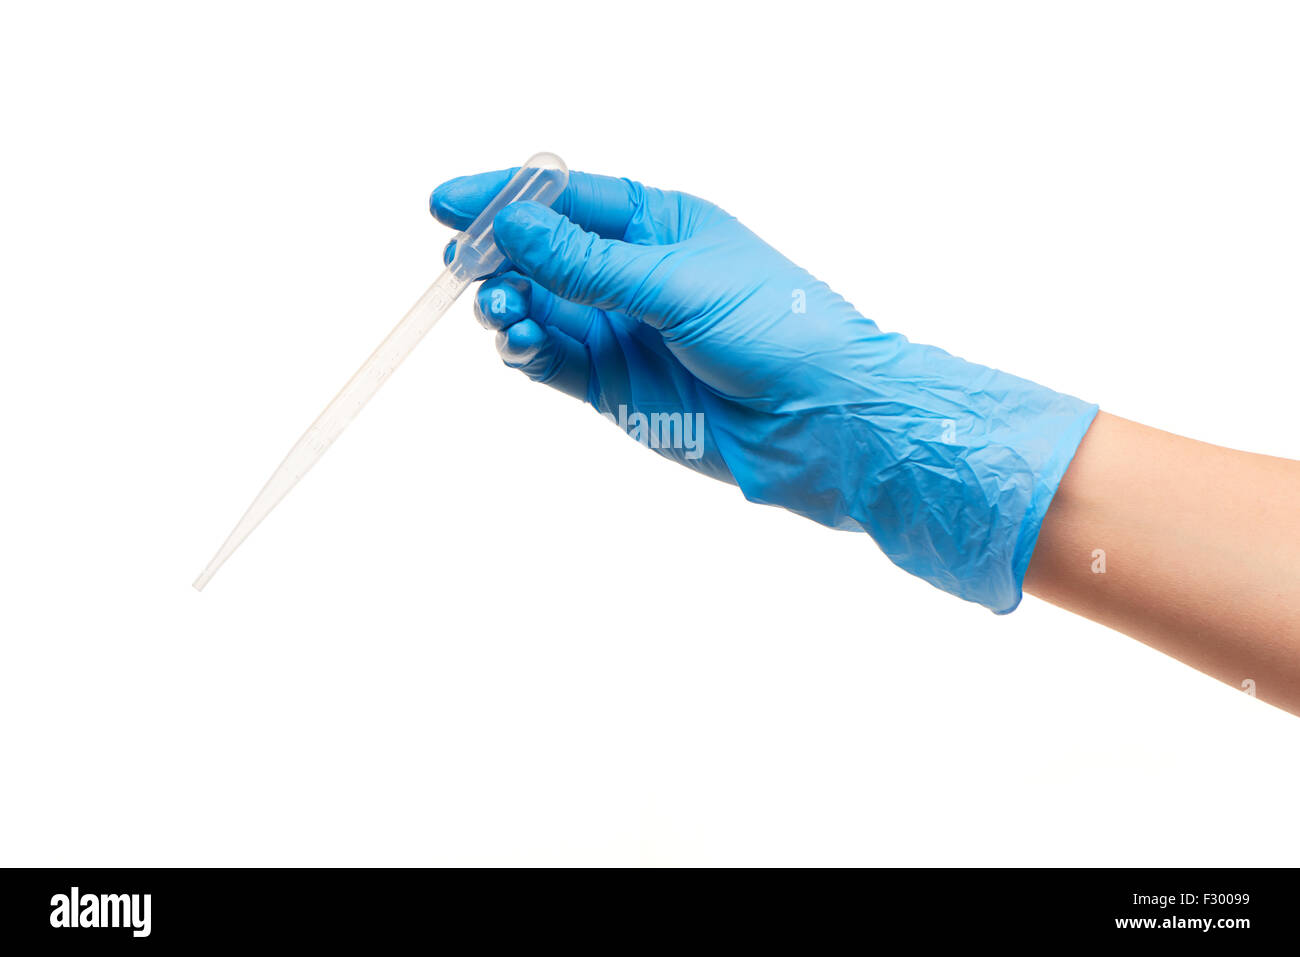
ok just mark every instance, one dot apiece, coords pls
pixel 671 318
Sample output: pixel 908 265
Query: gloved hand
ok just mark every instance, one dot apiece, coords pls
pixel 670 317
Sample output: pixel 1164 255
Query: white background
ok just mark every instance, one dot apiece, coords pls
pixel 489 629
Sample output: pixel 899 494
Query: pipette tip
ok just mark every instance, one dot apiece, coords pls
pixel 205 576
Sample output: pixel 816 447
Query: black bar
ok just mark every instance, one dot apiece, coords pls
pixel 378 908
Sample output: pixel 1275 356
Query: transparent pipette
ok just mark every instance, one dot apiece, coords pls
pixel 541 179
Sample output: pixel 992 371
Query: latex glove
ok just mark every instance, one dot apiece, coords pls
pixel 641 301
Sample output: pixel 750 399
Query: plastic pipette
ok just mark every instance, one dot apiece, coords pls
pixel 541 179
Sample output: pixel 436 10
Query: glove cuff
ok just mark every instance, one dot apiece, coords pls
pixel 961 474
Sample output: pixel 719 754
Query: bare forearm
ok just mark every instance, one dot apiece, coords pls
pixel 1191 548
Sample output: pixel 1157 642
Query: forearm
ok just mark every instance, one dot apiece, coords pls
pixel 1191 548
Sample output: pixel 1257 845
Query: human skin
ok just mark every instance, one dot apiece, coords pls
pixel 1201 552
